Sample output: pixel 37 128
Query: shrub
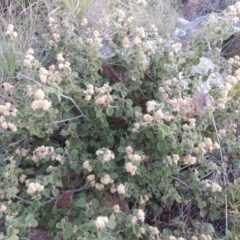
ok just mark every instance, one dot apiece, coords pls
pixel 111 137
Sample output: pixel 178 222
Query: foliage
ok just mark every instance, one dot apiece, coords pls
pixel 111 137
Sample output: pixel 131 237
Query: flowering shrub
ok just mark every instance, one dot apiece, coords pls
pixel 112 137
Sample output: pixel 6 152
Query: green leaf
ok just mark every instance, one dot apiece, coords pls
pixel 114 175
pixel 73 125
pixel 55 192
pixel 225 36
pixel 173 127
pixel 68 233
pixel 209 228
pixel 88 213
pixel 14 237
pixel 228 235
pixel 149 135
pixel 118 112
pixel 216 215
pixel 59 225
pixel 36 131
pixel 129 232
pixel 196 61
pixel 36 204
pixel 200 50
pixel 81 202
pixel 136 229
pixel 99 114
pixel 34 223
pixel 111 224
pixel 29 218
pixel 94 203
pixel 51 223
pixel 161 146
pixel 59 150
pixel 165 129
pixel 74 153
pixel 50 89
pixel 109 112
pixel 204 78
pixel 129 102
pixel 107 165
pixel 64 132
pixel 110 139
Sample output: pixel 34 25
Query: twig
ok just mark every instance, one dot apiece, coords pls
pixel 51 199
pixel 224 173
pixel 69 98
pixel 62 95
pixel 64 120
pixel 23 200
pixel 180 181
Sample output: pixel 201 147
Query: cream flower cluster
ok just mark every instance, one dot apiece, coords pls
pixel 96 40
pixel 30 61
pixel 232 10
pixel 99 186
pixel 143 199
pixel 176 47
pixel 142 3
pixel 231 81
pixel 106 179
pixel 91 179
pixel 131 168
pixel 206 145
pixel 55 31
pixel 54 75
pixel 153 230
pixel 121 189
pixel 133 157
pixel 188 159
pixel 146 119
pixel 22 178
pixel 141 215
pixel 202 237
pixel 101 222
pixel 120 15
pixel 87 165
pixel 43 151
pixel 174 238
pixel 104 97
pixel 3 208
pixel 214 186
pixel 223 92
pixel 105 155
pixel 8 87
pixel 181 105
pixel 10 31
pixel 174 159
pixel 62 64
pixel 116 208
pixel 34 187
pixel 40 102
pixel 84 22
pixel 191 124
pixel 7 110
pixel 21 152
pixel 51 74
pixel 89 92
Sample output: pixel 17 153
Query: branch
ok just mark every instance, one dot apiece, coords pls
pixel 62 95
pixel 224 173
pixel 64 120
pixel 51 199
